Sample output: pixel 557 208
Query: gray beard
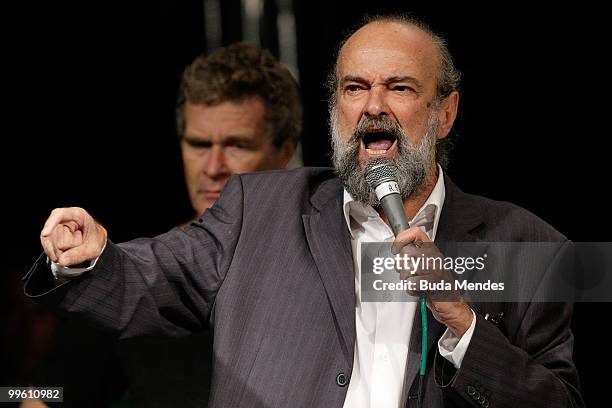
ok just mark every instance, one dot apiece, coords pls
pixel 413 162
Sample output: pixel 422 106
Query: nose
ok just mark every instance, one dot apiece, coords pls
pixel 216 166
pixel 376 104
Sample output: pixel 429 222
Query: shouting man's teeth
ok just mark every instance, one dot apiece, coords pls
pixel 372 151
pixel 378 143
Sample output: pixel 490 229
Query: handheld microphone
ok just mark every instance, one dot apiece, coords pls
pixel 381 175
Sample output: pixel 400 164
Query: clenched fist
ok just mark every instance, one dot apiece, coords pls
pixel 71 236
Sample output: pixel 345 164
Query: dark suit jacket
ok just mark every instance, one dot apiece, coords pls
pixel 270 267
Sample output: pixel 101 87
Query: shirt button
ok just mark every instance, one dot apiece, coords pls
pixel 342 379
pixel 470 390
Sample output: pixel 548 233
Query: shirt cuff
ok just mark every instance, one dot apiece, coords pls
pixel 452 347
pixel 66 272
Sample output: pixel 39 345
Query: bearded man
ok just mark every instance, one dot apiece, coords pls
pixel 274 264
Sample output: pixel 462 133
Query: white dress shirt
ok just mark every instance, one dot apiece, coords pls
pixel 383 328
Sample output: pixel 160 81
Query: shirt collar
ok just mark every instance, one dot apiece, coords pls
pixel 359 210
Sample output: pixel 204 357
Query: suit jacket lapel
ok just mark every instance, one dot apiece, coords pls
pixel 329 242
pixel 460 216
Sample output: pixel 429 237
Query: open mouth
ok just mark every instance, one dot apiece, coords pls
pixel 378 142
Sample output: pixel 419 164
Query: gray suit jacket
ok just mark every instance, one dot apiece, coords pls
pixel 270 268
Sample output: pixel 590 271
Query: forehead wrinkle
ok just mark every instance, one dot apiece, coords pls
pixel 411 46
pixel 385 63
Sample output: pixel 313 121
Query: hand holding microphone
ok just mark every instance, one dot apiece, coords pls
pixel 446 305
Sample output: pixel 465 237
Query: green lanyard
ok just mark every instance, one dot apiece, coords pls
pixel 423 305
pixel 424 337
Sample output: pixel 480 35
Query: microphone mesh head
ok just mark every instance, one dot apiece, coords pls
pixel 379 170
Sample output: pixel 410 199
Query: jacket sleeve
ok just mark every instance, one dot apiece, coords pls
pixel 162 286
pixel 504 375
pixel 524 362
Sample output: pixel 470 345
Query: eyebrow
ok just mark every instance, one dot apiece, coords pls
pixel 390 80
pixel 195 140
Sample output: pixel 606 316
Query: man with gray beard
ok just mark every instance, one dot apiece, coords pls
pixel 412 162
pixel 274 265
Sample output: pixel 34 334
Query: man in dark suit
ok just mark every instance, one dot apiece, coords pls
pixel 274 264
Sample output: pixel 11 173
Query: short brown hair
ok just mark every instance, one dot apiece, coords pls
pixel 237 72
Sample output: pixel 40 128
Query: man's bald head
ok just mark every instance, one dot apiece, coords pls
pixel 448 77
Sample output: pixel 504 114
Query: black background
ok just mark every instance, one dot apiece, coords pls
pixel 90 117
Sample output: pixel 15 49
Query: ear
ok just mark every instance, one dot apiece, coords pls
pixel 286 153
pixel 448 114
